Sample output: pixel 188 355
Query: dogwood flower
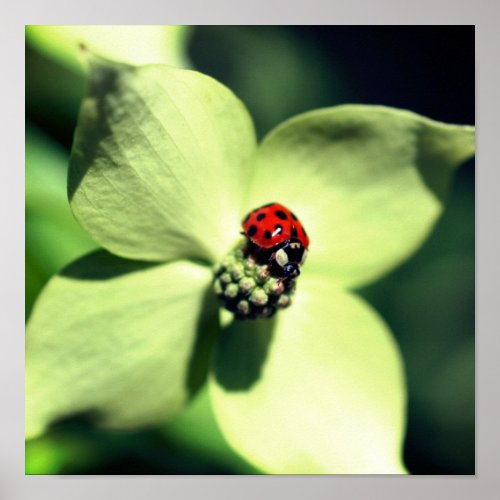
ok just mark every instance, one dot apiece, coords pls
pixel 164 166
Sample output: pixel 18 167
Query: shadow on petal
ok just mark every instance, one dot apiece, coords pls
pixel 102 265
pixel 104 81
pixel 207 331
pixel 241 353
pixel 434 152
pixel 80 420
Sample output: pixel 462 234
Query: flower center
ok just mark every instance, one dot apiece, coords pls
pixel 250 286
pixel 258 277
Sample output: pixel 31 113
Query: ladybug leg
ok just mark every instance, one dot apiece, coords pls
pixel 281 279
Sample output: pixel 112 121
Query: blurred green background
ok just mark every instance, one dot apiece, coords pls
pixel 279 71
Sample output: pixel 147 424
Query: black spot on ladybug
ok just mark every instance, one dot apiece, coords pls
pixel 261 216
pixel 267 234
pixel 294 216
pixel 280 214
pixel 247 217
pixel 252 230
pixel 294 232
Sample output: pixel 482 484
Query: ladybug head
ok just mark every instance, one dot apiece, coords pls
pixel 291 270
pixel 289 257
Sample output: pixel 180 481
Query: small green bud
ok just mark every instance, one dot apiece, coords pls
pixel 217 287
pixel 261 274
pixel 238 271
pixel 250 264
pixel 231 290
pixel 247 288
pixel 226 278
pixel 258 297
pixel 247 284
pixel 283 301
pixel 243 307
pixel 274 286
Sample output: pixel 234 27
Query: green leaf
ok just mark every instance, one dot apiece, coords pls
pixel 158 162
pixel 258 62
pixel 56 71
pixel 54 454
pixel 367 182
pixel 122 341
pixel 52 232
pixel 318 390
pixel 129 44
pixel 53 237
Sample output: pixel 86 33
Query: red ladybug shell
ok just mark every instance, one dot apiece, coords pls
pixel 273 224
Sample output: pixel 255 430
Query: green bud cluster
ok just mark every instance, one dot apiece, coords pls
pixel 247 287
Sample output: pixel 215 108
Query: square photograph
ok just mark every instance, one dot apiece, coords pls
pixel 250 250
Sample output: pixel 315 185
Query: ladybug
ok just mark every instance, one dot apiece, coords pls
pixel 276 232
